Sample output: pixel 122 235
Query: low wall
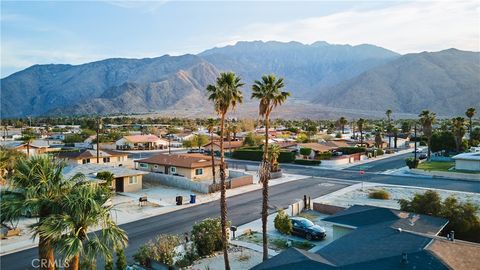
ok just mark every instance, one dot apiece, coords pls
pixel 335 162
pixel 176 181
pixel 241 181
pixel 453 175
pixel 326 208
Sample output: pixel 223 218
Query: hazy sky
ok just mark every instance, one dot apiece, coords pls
pixel 41 32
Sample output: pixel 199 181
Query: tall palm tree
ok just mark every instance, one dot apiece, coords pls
pixel 268 92
pixel 458 128
pixel 378 137
pixel 389 115
pixel 360 126
pixel 81 209
pixel 27 139
pixel 274 153
pixel 389 127
pixel 427 119
pixel 343 121
pixel 37 187
pixel 211 125
pixel 225 95
pixel 470 113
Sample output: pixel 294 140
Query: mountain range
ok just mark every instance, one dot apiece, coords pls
pixel 347 78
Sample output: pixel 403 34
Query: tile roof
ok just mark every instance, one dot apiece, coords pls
pixel 316 147
pixel 89 153
pixel 142 138
pixel 294 258
pixel 90 171
pixel 183 161
pixel 459 255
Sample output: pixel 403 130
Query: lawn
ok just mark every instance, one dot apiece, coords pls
pixel 436 166
pixel 274 243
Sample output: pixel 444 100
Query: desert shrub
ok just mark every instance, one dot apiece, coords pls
pixel 411 163
pixel 207 236
pixel 351 150
pixel 338 135
pixel 188 258
pixel 380 152
pixel 161 249
pixel 304 151
pixel 312 162
pixel 282 222
pixel 324 156
pixel 379 194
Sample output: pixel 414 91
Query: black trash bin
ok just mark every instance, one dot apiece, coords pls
pixel 179 200
pixel 193 198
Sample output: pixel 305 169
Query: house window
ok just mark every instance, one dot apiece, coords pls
pixel 106 159
pixel 132 180
pixel 143 165
pixel 173 169
pixel 198 171
pixel 85 161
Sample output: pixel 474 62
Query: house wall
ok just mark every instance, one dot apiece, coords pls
pixel 177 181
pixel 185 172
pixel 468 165
pixel 131 187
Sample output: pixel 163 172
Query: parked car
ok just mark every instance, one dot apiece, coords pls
pixel 307 229
pixel 422 156
pixel 196 151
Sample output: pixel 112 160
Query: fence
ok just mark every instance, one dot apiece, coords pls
pixel 326 208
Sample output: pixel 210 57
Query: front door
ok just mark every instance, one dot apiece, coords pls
pixel 119 185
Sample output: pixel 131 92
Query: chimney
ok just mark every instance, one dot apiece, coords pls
pixel 404 258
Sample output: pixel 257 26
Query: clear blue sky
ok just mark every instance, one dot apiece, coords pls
pixel 40 32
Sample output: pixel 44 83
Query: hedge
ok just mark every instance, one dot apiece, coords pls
pixel 351 150
pixel 312 162
pixel 324 156
pixel 257 155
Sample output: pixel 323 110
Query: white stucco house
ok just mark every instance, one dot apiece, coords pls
pixel 467 161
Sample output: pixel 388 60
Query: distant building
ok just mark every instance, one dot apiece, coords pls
pixel 227 146
pixel 141 142
pixel 86 156
pixel 376 238
pixel 467 161
pixel 126 180
pixel 191 166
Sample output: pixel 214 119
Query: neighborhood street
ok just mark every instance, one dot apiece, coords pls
pixel 243 208
pixel 390 163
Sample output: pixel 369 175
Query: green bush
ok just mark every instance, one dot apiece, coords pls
pixel 411 163
pixel 324 156
pixel 313 162
pixel 161 249
pixel 207 236
pixel 282 222
pixel 351 150
pixel 379 194
pixel 380 152
pixel 121 260
pixel 257 155
pixel 304 151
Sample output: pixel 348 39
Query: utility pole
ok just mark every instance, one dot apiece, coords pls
pixel 169 136
pixel 415 152
pixel 99 120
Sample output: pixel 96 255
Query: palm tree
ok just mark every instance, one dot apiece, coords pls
pixel 427 119
pixel 8 160
pixel 211 125
pixel 27 139
pixel 389 127
pixel 378 137
pixel 389 115
pixel 470 113
pixel 360 125
pixel 225 95
pixel 82 209
pixel 36 187
pixel 274 153
pixel 268 92
pixel 343 121
pixel 458 128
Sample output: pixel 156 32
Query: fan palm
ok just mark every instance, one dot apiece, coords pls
pixel 360 125
pixel 36 187
pixel 427 119
pixel 274 153
pixel 81 209
pixel 268 92
pixel 458 128
pixel 225 95
pixel 470 113
pixel 389 127
pixel 211 125
pixel 343 121
pixel 378 137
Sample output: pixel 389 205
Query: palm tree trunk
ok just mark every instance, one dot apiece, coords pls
pixel 28 149
pixel 74 263
pixel 213 156
pixel 470 134
pixel 45 252
pixel 264 180
pixel 429 146
pixel 223 199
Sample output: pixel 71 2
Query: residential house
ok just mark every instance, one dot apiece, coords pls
pixel 228 146
pixel 195 167
pixel 85 156
pixel 375 238
pixel 125 180
pixel 467 161
pixel 317 148
pixel 141 142
pixel 35 148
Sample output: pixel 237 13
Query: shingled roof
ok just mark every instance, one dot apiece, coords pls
pixel 183 161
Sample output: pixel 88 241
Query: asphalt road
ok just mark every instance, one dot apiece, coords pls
pixel 243 208
pixel 390 163
pixel 352 175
